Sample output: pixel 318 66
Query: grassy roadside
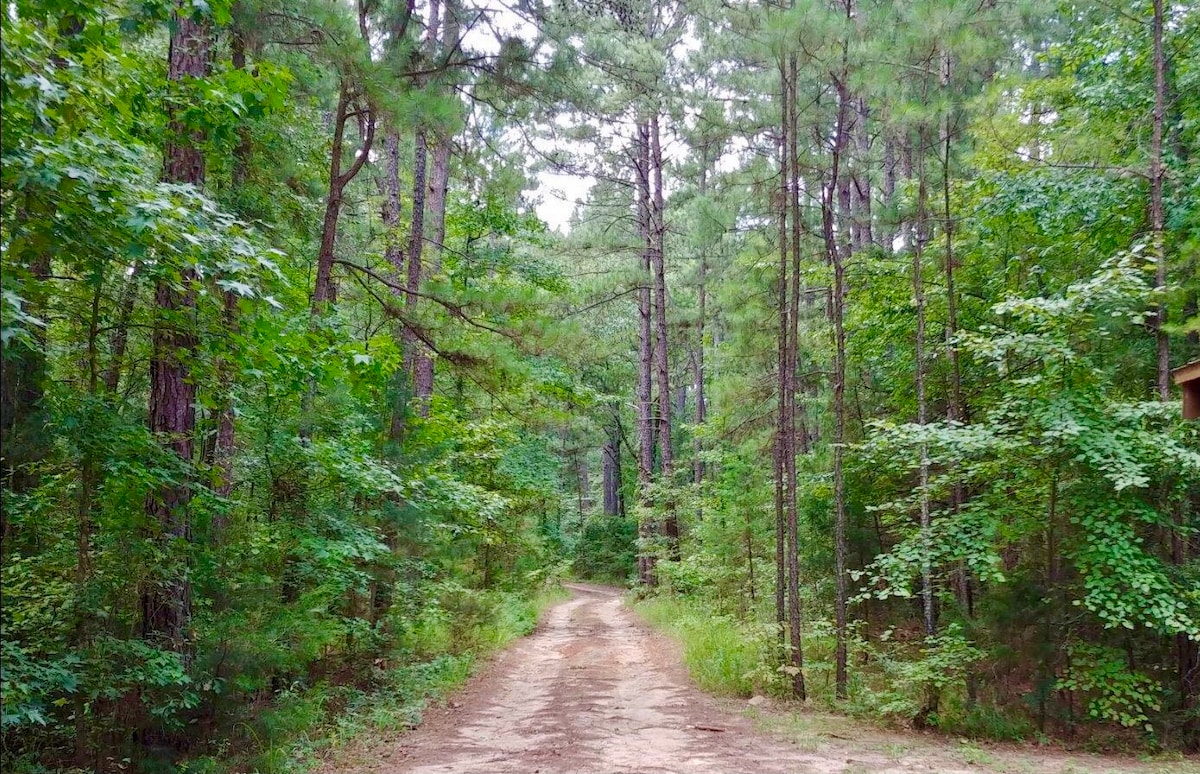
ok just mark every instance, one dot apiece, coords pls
pixel 723 656
pixel 729 658
pixel 304 728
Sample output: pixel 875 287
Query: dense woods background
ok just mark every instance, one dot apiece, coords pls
pixel 856 358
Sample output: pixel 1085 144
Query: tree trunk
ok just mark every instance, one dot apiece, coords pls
pixel 389 186
pixel 323 291
pixel 23 376
pixel 223 447
pixel 864 231
pixel 439 178
pixel 782 383
pixel 89 475
pixel 1157 216
pixel 698 357
pixel 611 467
pixel 928 610
pixel 166 601
pixel 890 164
pixel 423 373
pixel 922 401
pixel 955 408
pixel 118 340
pixel 645 359
pixel 791 367
pixel 662 352
pixel 837 308
pixel 416 243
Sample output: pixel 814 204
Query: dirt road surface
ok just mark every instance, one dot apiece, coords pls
pixel 594 690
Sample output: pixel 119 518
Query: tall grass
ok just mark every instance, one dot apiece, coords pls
pixel 723 655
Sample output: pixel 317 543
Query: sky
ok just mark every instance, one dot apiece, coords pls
pixel 555 193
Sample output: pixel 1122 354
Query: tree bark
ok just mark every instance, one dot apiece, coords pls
pixel 416 242
pixel 955 408
pixel 662 351
pixel 782 418
pixel 645 359
pixel 394 254
pixel 611 468
pixel 166 601
pixel 831 189
pixel 928 610
pixel 324 289
pixel 791 367
pixel 423 372
pixel 864 231
pixel 223 447
pixel 1157 215
pixel 439 178
pixel 23 390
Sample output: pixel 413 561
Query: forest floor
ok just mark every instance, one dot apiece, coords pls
pixel 595 690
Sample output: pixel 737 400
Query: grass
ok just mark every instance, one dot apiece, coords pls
pixel 726 656
pixel 302 728
pixel 723 656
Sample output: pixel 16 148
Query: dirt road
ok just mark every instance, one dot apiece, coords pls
pixel 593 690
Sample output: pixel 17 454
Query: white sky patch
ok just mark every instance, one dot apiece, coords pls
pixel 557 196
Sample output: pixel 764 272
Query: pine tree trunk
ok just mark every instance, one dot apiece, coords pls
pixel 782 419
pixel 837 308
pixel 611 469
pixel 662 351
pixel 864 230
pixel 118 339
pixel 439 178
pixel 416 242
pixel 698 374
pixel 89 479
pixel 393 253
pixel 1157 216
pixel 698 356
pixel 645 358
pixel 166 602
pixel 955 408
pixel 927 607
pixel 323 291
pixel 791 367
pixel 223 448
pixel 423 373
pixel 928 611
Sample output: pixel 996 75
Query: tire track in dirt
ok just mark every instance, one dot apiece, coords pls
pixel 592 690
pixel 595 691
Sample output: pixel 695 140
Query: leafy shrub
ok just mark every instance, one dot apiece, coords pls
pixel 607 549
pixel 1114 693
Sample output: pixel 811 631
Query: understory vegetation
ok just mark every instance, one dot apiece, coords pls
pixel 336 333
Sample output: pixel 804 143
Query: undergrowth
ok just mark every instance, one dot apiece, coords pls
pixel 437 654
pixel 723 655
pixel 733 655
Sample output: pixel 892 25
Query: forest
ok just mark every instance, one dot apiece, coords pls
pixel 336 333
